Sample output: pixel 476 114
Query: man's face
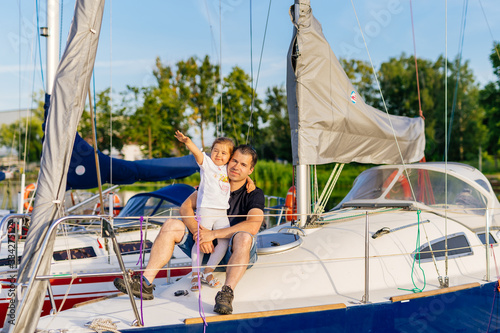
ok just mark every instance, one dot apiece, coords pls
pixel 239 166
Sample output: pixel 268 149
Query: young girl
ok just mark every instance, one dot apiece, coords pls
pixel 212 201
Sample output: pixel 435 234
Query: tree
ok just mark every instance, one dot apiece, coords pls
pixel 17 132
pixel 197 82
pixel 274 141
pixel 361 75
pixel 103 115
pixel 490 100
pixel 241 121
pixel 156 112
pixel 399 85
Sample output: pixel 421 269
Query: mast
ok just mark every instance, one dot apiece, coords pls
pixel 303 180
pixel 51 32
pixel 52 43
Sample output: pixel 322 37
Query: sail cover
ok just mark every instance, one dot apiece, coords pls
pixel 329 120
pixel 67 102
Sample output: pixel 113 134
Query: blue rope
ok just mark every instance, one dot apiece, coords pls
pixel 39 44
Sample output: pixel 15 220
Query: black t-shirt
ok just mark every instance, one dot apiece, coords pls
pixel 241 202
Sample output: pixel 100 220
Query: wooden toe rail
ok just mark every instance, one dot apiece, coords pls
pixel 250 315
pixel 434 292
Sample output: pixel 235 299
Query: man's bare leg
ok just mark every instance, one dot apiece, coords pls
pixel 171 233
pixel 242 243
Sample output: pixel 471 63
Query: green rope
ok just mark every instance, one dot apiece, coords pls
pixel 417 252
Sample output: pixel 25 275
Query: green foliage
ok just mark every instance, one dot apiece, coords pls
pixel 156 112
pixel 274 141
pixel 240 119
pixel 104 117
pixel 490 101
pixel 16 132
pixel 361 75
pixel 197 82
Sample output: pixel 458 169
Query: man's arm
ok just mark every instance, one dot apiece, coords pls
pixel 251 224
pixel 187 213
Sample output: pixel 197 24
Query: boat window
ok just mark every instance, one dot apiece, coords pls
pixel 9 261
pixel 134 247
pixel 483 184
pixel 458 246
pixel 483 239
pixel 369 184
pixel 78 253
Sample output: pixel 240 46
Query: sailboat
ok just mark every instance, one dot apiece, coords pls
pixel 360 267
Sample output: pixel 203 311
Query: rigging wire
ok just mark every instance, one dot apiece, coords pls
pixel 446 134
pixel 39 44
pixel 416 65
pixel 110 91
pixel 251 73
pixel 489 28
pixel 220 68
pixel 383 102
pixel 61 11
pixel 214 50
pixel 460 51
pixel 254 89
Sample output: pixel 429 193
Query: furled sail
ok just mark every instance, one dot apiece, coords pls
pixel 329 121
pixel 67 104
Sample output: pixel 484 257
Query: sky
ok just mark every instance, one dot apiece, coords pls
pixel 134 33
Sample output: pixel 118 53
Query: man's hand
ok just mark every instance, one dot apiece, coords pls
pixel 207 247
pixel 206 235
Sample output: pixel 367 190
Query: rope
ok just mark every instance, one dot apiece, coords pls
pixel 489 28
pixel 383 101
pixel 251 74
pixel 417 252
pixel 139 262
pixel 495 289
pixel 416 66
pixel 201 311
pixel 39 44
pixel 460 51
pixel 254 88
pixel 446 136
pixel 103 324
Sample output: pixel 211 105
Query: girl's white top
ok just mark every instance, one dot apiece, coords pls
pixel 214 189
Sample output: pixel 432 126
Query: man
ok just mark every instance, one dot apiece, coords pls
pixel 242 251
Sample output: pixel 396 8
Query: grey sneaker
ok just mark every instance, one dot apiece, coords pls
pixel 147 291
pixel 224 300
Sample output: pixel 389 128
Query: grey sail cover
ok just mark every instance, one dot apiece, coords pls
pixel 68 100
pixel 329 121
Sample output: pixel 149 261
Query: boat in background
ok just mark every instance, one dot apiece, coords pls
pixel 83 261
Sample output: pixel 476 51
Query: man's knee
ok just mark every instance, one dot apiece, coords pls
pixel 173 228
pixel 242 241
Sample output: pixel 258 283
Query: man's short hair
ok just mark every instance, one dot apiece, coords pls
pixel 248 150
pixel 224 141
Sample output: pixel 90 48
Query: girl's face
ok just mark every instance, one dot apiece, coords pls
pixel 220 154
